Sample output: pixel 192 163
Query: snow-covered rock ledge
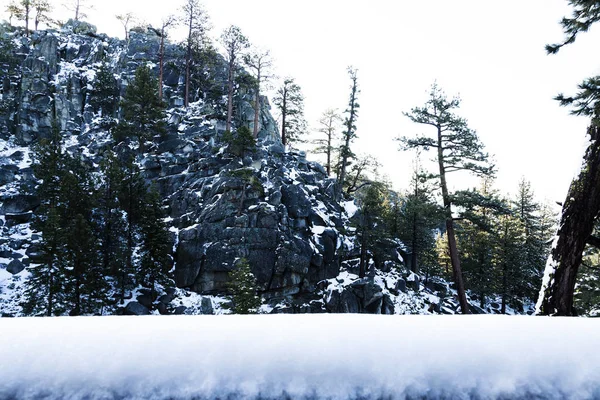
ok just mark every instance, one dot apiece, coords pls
pixel 299 357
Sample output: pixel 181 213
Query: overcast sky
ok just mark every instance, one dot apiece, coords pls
pixel 490 53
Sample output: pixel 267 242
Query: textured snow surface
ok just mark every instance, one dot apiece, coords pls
pixel 300 357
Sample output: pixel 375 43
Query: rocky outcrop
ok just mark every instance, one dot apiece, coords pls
pixel 272 207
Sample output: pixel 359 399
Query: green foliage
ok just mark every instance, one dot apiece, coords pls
pixel 461 147
pixel 370 224
pixel 414 218
pixel 105 92
pixel 290 103
pixel 155 249
pixel 239 143
pixel 244 293
pixel 503 244
pixel 69 280
pixel 143 111
pixel 345 152
pixel 204 77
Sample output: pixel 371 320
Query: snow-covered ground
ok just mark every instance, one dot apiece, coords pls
pixel 300 357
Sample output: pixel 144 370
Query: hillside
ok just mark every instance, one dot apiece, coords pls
pixel 270 206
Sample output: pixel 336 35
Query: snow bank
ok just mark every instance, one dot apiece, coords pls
pixel 300 357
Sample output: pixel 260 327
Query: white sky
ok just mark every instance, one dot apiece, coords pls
pixel 491 53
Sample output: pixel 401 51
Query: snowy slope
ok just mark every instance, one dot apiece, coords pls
pixel 300 357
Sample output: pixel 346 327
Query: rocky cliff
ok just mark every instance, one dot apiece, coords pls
pixel 272 206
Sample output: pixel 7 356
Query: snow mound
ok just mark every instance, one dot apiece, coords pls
pixel 300 357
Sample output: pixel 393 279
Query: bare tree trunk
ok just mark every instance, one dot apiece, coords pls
pixel 283 116
pixel 329 134
pixel 576 226
pixel 27 6
pixel 188 60
pixel 230 92
pixel 452 247
pixel 161 61
pixel 363 254
pixel 257 103
pixel 50 291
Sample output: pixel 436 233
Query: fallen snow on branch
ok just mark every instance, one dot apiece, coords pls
pixel 299 357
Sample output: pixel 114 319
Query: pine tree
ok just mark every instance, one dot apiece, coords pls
pixel 110 211
pixel 143 111
pixel 346 154
pixel 125 20
pixel 42 8
pixel 155 247
pixel 458 149
pixel 328 127
pixel 104 96
pixel 235 43
pixel 168 22
pixel 43 289
pixel 478 233
pixel 80 241
pixel 239 143
pixel 243 287
pixel 196 21
pixel 416 219
pixel 131 195
pixel 260 63
pixel 79 8
pixel 370 226
pixel 290 103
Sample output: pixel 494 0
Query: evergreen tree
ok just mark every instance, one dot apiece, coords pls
pixel 479 236
pixel 537 234
pixel 156 246
pixel 241 142
pixel 196 21
pixel 125 20
pixel 131 195
pixel 328 127
pixel 346 154
pixel 80 241
pixel 259 63
pixel 110 211
pixel 243 286
pixel 358 176
pixel 104 96
pixel 24 13
pixel 416 218
pixel 43 289
pixel 42 8
pixel 143 111
pixel 458 149
pixel 290 103
pixel 370 226
pixel 166 23
pixel 79 8
pixel 235 43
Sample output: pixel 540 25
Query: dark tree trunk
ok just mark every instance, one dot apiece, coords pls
pixel 580 209
pixel 161 60
pixel 188 61
pixel 230 91
pixel 257 104
pixel 452 247
pixel 283 116
pixel 50 291
pixel 363 255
